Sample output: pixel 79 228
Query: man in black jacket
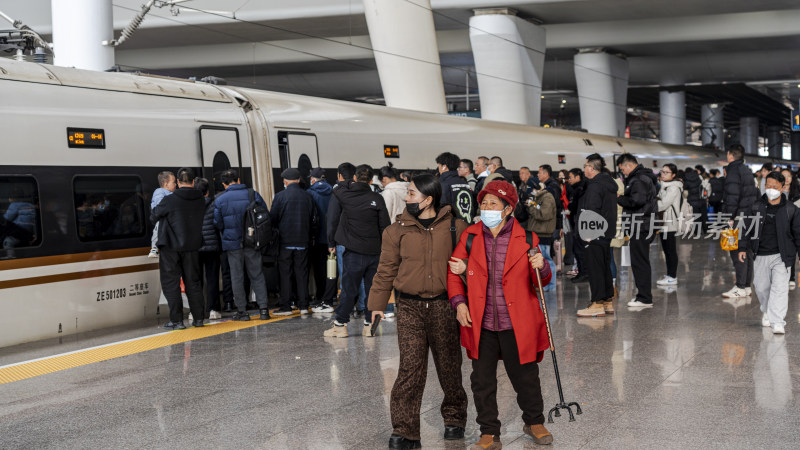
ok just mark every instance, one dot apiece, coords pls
pixel 295 215
pixel 597 208
pixel 717 184
pixel 356 219
pixel 574 246
pixel 740 194
pixel 774 242
pixel 210 253
pixel 455 189
pixel 180 236
pixel 639 203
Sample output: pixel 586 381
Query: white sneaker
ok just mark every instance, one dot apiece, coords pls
pixel 191 319
pixel 671 281
pixel 736 292
pixel 388 315
pixel 323 308
pixel 778 329
pixel 663 281
pixel 304 311
pixel 792 285
pixel 636 303
pixel 748 291
pixel 213 315
pixel 153 253
pixel 764 320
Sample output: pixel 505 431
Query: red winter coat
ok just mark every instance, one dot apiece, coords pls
pixel 519 281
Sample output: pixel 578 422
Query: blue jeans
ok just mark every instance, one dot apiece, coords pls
pixel 362 294
pixel 546 253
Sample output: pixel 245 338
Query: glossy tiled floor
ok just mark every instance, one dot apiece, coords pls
pixel 695 371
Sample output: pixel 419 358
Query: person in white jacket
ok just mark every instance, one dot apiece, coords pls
pixel 394 192
pixel 669 204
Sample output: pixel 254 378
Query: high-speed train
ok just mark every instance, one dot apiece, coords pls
pixel 81 151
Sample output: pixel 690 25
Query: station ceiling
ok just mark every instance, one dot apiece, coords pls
pixel 321 47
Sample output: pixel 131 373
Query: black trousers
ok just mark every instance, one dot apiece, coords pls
pixel 210 263
pixel 326 289
pixel 227 286
pixel 293 266
pixel 579 250
pixel 173 266
pixel 524 378
pixel 355 268
pixel 640 264
pixel 568 252
pixel 744 270
pixel 598 259
pixel 669 244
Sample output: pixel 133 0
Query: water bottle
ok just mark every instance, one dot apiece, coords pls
pixel 331 266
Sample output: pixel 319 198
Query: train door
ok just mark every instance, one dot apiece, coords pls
pixel 298 150
pixel 219 151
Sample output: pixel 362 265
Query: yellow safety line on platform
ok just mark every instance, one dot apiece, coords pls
pixel 30 369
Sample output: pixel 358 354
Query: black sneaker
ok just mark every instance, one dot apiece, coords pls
pixel 580 279
pixel 284 312
pixel 241 316
pixel 264 314
pixel 175 325
pixel 198 323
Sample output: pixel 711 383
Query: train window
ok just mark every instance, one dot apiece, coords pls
pixel 221 164
pixel 108 207
pixel 20 223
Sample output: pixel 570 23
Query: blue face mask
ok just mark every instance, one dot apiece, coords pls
pixel 491 218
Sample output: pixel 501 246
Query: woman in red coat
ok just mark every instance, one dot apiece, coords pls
pixel 499 312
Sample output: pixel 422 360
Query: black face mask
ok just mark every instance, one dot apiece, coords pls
pixel 414 209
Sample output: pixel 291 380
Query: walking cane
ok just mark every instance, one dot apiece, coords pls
pixel 562 404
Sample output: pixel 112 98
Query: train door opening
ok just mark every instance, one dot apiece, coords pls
pixel 298 150
pixel 219 151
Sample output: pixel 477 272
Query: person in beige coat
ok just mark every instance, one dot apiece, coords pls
pixel 669 205
pixel 394 192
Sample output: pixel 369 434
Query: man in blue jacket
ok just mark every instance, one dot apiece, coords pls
pixel 229 210
pixel 295 215
pixel 321 191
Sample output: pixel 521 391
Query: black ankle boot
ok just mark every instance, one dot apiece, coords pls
pixel 399 442
pixel 452 433
pixel 264 314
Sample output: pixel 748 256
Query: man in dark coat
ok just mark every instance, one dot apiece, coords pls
pixel 639 203
pixel 693 185
pixel 574 243
pixel 356 219
pixel 597 204
pixel 229 211
pixel 717 183
pixel 740 194
pixel 321 192
pixel 455 189
pixel 295 215
pixel 180 236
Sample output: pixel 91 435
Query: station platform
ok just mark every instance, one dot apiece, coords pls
pixel 694 371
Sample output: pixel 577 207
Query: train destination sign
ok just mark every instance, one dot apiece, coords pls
pixel 86 138
pixel 391 151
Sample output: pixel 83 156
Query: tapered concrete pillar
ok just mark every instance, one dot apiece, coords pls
pixel 775 141
pixel 673 117
pixel 404 43
pixel 712 132
pixel 795 145
pixel 602 81
pixel 748 134
pixel 79 27
pixel 509 74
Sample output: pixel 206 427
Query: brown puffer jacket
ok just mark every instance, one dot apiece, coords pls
pixel 414 259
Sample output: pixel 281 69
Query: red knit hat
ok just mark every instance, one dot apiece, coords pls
pixel 501 189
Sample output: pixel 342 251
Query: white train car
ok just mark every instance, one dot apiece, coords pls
pixel 81 151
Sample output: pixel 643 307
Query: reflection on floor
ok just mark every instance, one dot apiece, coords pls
pixel 694 371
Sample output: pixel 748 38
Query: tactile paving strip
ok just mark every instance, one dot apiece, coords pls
pixel 50 364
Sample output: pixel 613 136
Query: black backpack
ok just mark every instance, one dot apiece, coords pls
pixel 463 204
pixel 258 233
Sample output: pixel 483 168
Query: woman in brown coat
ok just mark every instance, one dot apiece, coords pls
pixel 414 254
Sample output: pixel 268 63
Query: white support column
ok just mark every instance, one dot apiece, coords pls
pixel 79 27
pixel 673 117
pixel 712 132
pixel 509 74
pixel 404 43
pixel 602 81
pixel 748 134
